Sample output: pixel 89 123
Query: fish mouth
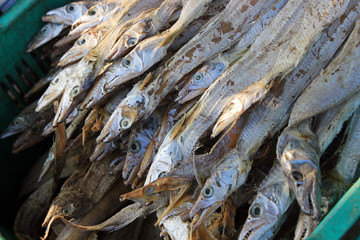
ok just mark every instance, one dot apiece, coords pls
pixel 308 202
pixel 187 95
pixel 105 138
pixel 70 57
pixel 206 210
pixel 254 231
pixel 53 212
pixel 88 103
pixel 129 173
pixel 111 83
pixel 118 79
pixel 34 44
pixel 26 140
pixel 48 130
pixel 55 18
pixel 78 27
pixel 47 99
pixel 101 151
pixel 247 235
pixel 117 165
pixel 11 131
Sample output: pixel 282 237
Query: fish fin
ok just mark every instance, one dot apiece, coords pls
pixel 146 81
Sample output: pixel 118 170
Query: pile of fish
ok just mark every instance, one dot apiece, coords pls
pixel 227 119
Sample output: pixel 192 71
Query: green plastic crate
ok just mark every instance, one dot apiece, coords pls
pixel 19 71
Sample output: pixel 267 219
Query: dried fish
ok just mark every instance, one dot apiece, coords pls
pixel 46 33
pixel 143 91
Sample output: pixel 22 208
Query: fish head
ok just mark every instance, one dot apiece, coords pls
pixel 79 83
pixel 200 81
pixel 136 149
pixel 67 14
pixel 228 116
pixel 129 39
pixel 127 68
pixel 29 137
pixel 210 199
pixel 69 204
pixel 92 17
pixel 54 91
pixel 263 215
pixel 23 120
pixel 304 179
pixel 122 118
pixel 45 34
pixel 81 47
pixel 16 126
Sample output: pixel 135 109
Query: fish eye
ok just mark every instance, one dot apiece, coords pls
pixel 126 62
pixel 92 12
pixel 297 176
pixel 256 210
pixel 125 123
pixel 67 210
pixel 198 77
pixel 135 146
pixel 162 174
pixel 18 121
pixel 208 192
pixel 70 8
pixel 43 30
pixel 81 41
pixel 131 42
pixel 75 90
pixel 55 81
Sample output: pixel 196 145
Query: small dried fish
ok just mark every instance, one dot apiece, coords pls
pixel 46 33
